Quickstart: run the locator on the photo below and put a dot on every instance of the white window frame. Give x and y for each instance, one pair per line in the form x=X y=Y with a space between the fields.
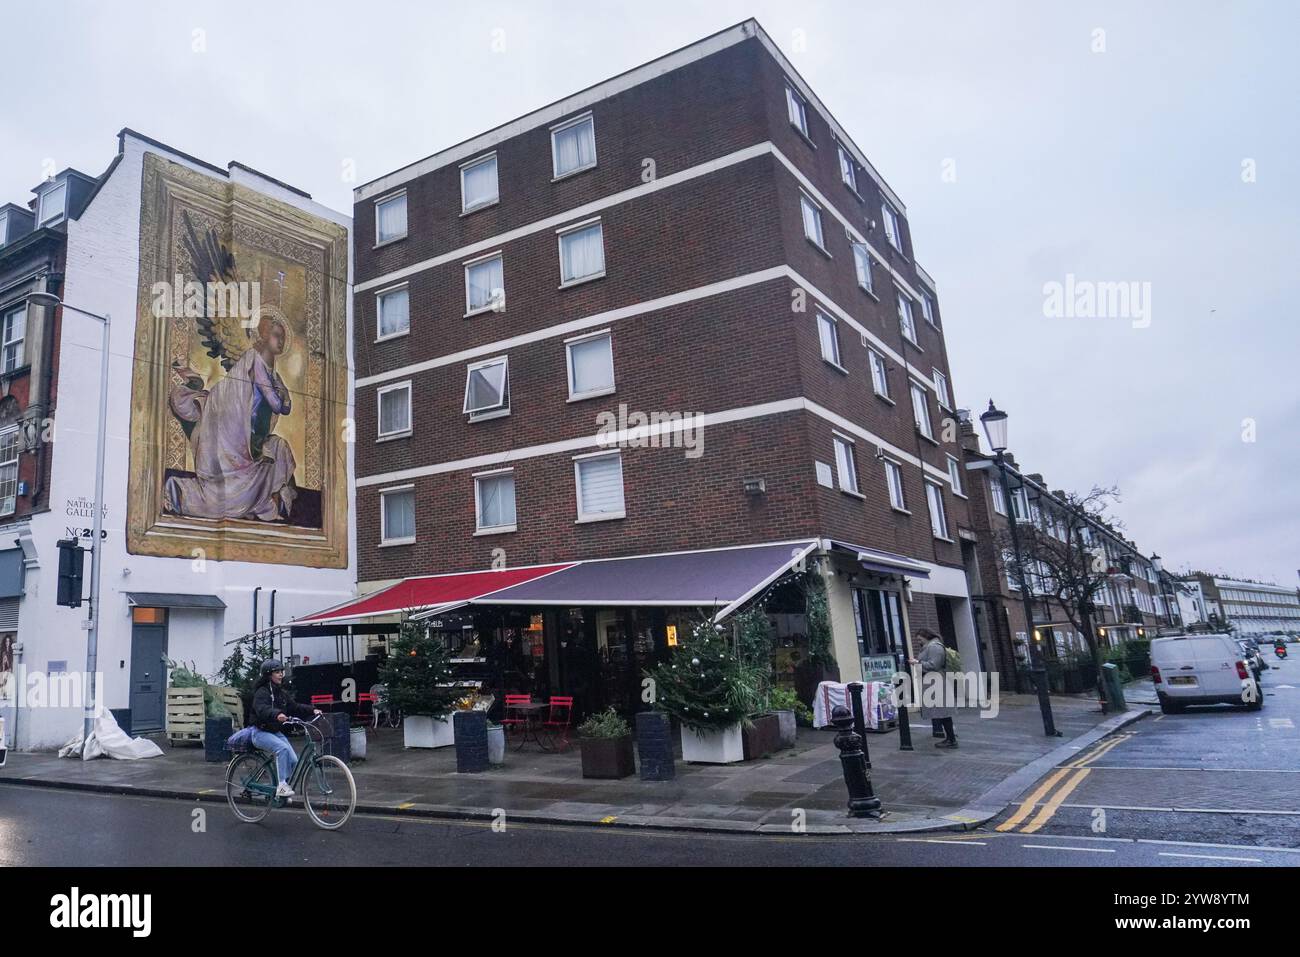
x=906 y=318
x=846 y=444
x=383 y=515
x=893 y=232
x=999 y=495
x=568 y=365
x=927 y=309
x=921 y=413
x=796 y=104
x=9 y=499
x=577 y=487
x=587 y=117
x=559 y=240
x=502 y=408
x=466 y=208
x=848 y=169
x=820 y=240
x=20 y=342
x=492 y=304
x=395 y=195
x=941 y=392
x=42 y=219
x=879 y=374
x=894 y=484
x=479 y=527
x=862 y=267
x=380 y=434
x=939 y=519
x=4 y=227
x=380 y=335
x=954 y=476
x=824 y=318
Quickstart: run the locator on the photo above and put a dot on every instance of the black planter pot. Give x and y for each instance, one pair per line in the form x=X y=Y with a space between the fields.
x=216 y=731
x=470 y=728
x=338 y=735
x=607 y=757
x=654 y=746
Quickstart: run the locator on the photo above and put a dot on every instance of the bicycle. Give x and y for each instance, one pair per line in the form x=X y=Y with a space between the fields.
x=324 y=781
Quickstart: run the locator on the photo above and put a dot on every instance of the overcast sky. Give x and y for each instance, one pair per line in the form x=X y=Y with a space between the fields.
x=1151 y=143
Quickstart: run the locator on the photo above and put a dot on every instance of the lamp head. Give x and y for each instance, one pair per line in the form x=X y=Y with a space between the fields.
x=994 y=422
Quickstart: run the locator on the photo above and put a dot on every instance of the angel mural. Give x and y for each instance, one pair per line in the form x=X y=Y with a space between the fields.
x=242 y=469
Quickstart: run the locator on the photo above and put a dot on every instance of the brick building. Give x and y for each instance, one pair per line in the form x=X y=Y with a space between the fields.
x=676 y=311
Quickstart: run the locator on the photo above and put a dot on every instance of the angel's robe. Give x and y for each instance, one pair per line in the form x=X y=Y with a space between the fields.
x=240 y=466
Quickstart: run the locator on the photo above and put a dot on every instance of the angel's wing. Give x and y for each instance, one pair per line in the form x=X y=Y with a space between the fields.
x=224 y=336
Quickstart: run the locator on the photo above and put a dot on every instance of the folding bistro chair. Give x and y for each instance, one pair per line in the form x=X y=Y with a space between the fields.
x=367 y=702
x=559 y=716
x=516 y=723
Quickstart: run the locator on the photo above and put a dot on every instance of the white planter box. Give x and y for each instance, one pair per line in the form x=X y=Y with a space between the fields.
x=422 y=731
x=713 y=747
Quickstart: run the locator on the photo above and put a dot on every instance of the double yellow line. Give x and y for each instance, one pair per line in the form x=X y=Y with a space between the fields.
x=1081 y=770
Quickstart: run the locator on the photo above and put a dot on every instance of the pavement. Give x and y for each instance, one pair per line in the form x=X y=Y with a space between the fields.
x=799 y=790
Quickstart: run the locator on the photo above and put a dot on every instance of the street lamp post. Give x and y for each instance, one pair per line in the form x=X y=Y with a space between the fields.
x=994 y=422
x=1158 y=565
x=97 y=531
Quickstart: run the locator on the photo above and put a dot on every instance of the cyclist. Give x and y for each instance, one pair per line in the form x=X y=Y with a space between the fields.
x=272 y=706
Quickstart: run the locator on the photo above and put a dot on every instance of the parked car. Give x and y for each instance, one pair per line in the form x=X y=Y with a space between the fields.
x=1202 y=669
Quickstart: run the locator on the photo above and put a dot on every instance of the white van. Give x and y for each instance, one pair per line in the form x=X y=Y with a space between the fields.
x=1202 y=669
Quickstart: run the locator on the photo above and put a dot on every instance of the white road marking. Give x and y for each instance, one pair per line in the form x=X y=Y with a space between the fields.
x=1065 y=847
x=1223 y=847
x=1188 y=810
x=1124 y=767
x=1281 y=723
x=933 y=840
x=1214 y=857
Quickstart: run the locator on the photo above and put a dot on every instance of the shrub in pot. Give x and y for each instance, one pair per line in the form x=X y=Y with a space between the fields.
x=606 y=743
x=419 y=681
x=790 y=713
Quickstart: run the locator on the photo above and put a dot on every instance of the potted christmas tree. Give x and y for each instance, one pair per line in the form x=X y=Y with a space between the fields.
x=419 y=681
x=709 y=691
x=606 y=743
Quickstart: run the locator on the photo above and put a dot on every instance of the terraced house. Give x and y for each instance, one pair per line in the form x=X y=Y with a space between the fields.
x=648 y=349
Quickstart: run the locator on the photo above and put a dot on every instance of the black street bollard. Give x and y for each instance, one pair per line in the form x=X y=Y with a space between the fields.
x=855 y=689
x=904 y=725
x=862 y=800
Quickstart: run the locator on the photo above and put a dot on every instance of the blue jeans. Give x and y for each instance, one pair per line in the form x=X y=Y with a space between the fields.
x=275 y=742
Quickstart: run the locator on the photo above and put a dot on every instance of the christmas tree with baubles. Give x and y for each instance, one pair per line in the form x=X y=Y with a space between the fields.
x=703 y=684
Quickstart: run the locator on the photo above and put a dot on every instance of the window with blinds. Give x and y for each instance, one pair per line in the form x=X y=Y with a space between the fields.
x=390 y=218
x=582 y=253
x=600 y=486
x=393 y=312
x=573 y=146
x=478 y=183
x=398 y=515
x=395 y=410
x=591 y=365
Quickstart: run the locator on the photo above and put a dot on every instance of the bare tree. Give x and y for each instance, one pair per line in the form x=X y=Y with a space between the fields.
x=1063 y=561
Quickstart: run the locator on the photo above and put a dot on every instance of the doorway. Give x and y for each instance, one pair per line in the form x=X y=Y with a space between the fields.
x=148 y=669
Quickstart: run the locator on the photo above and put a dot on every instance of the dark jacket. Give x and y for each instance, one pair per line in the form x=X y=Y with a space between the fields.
x=269 y=700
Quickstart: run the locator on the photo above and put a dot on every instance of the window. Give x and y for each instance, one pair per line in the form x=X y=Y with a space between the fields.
x=894 y=478
x=600 y=486
x=15 y=331
x=487 y=387
x=941 y=389
x=797 y=110
x=53 y=204
x=394 y=410
x=891 y=226
x=844 y=465
x=1018 y=505
x=1013 y=574
x=999 y=496
x=591 y=365
x=954 y=475
x=905 y=320
x=8 y=470
x=812 y=221
x=397 y=515
x=938 y=520
x=862 y=262
x=573 y=145
x=478 y=183
x=921 y=410
x=390 y=218
x=4 y=228
x=848 y=172
x=927 y=309
x=879 y=373
x=485 y=284
x=582 y=253
x=393 y=312
x=828 y=333
x=494 y=501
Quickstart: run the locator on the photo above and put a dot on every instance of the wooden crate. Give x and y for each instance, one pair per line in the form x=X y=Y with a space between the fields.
x=186 y=717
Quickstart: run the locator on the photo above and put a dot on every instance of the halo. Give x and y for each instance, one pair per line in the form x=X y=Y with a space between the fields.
x=269 y=312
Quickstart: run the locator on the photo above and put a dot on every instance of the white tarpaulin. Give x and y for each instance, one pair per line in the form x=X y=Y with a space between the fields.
x=107 y=739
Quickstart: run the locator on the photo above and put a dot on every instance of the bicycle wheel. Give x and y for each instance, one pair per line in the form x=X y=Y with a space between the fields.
x=329 y=792
x=245 y=770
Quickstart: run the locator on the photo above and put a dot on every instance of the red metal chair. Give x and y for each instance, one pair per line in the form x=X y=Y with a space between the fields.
x=323 y=701
x=559 y=716
x=519 y=722
x=365 y=713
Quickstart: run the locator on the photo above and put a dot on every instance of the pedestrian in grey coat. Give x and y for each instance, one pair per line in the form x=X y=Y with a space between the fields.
x=933 y=660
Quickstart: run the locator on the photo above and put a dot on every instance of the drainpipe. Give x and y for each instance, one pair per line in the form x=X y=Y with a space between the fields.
x=271 y=623
x=255 y=591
